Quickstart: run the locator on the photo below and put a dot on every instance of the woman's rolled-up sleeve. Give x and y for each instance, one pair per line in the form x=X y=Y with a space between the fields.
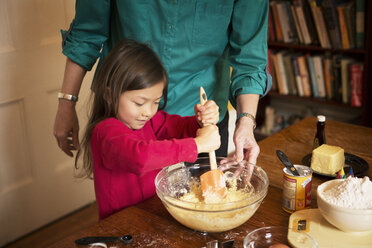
x=88 y=31
x=248 y=49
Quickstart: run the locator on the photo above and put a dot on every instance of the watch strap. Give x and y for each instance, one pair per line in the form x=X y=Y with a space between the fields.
x=68 y=97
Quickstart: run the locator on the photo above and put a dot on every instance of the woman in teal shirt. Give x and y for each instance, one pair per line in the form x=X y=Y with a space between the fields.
x=196 y=40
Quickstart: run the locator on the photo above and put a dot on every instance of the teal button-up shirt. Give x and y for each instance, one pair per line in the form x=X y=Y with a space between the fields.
x=196 y=40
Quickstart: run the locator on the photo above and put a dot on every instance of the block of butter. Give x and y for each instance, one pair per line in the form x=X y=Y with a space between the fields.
x=327 y=159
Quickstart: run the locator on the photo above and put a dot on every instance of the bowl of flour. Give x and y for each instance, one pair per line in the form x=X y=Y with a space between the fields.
x=347 y=203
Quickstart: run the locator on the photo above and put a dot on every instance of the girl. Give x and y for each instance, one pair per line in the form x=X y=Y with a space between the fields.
x=127 y=140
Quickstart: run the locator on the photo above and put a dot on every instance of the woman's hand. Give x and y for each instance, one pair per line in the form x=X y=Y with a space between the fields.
x=207 y=114
x=246 y=146
x=66 y=127
x=66 y=124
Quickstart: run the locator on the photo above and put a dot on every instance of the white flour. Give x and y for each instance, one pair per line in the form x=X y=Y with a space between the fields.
x=353 y=192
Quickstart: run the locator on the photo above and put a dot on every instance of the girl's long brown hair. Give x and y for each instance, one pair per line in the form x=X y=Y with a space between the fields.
x=129 y=66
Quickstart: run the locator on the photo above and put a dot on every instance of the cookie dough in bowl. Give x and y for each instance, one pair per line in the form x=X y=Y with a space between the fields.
x=178 y=187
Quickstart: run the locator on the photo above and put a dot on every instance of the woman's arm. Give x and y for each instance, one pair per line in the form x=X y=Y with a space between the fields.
x=249 y=78
x=246 y=146
x=66 y=125
x=82 y=44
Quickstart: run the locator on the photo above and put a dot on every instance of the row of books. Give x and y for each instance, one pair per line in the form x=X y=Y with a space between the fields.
x=333 y=77
x=338 y=24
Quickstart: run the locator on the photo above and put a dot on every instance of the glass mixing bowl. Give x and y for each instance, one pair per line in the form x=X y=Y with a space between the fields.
x=178 y=187
x=278 y=237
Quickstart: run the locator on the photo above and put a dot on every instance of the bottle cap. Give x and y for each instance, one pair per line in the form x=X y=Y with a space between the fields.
x=321 y=118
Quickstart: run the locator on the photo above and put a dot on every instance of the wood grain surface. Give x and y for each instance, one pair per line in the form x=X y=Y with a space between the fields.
x=152 y=226
x=296 y=142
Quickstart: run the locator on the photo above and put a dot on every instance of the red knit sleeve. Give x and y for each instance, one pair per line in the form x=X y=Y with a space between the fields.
x=123 y=149
x=167 y=126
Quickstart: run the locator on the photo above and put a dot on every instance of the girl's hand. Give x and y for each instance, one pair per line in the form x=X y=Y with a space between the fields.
x=207 y=139
x=207 y=114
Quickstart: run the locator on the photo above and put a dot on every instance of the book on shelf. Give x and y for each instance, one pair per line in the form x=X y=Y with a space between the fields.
x=292 y=23
x=359 y=23
x=281 y=74
x=300 y=16
x=310 y=22
x=277 y=77
x=291 y=78
x=356 y=83
x=349 y=13
x=336 y=62
x=319 y=24
x=332 y=24
x=278 y=30
x=284 y=22
x=323 y=26
x=343 y=27
x=345 y=82
x=311 y=68
x=328 y=77
x=301 y=60
x=270 y=25
x=270 y=67
x=296 y=69
x=296 y=23
x=319 y=74
x=338 y=24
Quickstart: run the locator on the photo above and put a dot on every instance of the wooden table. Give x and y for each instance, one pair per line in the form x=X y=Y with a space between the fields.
x=296 y=141
x=152 y=226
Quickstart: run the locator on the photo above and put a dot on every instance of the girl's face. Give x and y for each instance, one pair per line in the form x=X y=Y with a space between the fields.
x=136 y=107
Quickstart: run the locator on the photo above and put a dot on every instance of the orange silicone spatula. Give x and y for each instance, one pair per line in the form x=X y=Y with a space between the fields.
x=212 y=182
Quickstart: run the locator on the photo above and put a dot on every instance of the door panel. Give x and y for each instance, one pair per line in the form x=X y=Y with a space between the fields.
x=36 y=178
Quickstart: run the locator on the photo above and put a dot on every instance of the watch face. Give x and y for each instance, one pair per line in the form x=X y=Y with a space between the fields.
x=67 y=97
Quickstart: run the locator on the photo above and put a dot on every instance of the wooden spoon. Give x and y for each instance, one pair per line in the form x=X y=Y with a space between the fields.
x=212 y=182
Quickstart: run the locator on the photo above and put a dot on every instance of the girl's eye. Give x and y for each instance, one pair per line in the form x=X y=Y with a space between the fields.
x=157 y=103
x=139 y=104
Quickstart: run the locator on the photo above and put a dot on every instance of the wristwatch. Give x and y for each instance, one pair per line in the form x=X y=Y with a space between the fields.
x=67 y=97
x=249 y=116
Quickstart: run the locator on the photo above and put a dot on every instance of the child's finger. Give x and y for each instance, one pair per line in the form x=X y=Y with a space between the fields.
x=209 y=111
x=208 y=115
x=210 y=120
x=200 y=107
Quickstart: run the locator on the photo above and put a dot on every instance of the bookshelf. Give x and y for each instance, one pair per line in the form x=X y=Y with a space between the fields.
x=313 y=48
x=294 y=45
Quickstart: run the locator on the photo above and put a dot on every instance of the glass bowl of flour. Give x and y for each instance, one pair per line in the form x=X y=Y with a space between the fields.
x=347 y=203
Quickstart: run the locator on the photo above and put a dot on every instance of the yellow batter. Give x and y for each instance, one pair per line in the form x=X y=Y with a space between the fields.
x=215 y=215
x=233 y=194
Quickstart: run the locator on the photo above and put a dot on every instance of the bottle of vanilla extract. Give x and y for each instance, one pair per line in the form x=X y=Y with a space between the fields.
x=320 y=138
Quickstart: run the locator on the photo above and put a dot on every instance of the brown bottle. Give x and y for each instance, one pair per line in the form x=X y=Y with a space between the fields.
x=320 y=138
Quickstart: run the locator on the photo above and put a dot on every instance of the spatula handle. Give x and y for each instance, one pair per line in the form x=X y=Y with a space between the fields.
x=212 y=155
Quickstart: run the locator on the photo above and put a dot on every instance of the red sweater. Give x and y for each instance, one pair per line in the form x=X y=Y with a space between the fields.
x=126 y=161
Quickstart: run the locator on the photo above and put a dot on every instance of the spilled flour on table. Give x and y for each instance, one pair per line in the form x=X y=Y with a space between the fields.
x=154 y=240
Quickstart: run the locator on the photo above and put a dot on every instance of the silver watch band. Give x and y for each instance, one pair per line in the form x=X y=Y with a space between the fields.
x=67 y=97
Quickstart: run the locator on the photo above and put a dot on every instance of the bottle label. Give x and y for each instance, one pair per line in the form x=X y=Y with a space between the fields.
x=316 y=143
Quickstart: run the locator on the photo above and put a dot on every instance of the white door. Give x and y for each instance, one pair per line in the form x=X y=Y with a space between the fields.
x=36 y=178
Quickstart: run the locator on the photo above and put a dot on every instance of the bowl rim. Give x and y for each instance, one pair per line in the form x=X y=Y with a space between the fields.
x=280 y=228
x=260 y=196
x=319 y=194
